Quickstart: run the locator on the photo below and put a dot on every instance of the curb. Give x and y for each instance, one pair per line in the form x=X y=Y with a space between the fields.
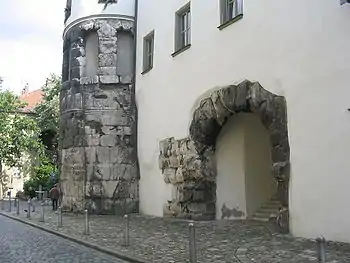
x=119 y=255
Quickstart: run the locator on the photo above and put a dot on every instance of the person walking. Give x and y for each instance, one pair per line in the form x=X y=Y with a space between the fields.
x=54 y=195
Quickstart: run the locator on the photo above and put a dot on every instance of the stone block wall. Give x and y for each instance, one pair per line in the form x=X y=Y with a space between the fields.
x=189 y=164
x=99 y=169
x=193 y=177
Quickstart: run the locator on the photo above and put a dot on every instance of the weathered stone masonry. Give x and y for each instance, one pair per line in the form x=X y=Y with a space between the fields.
x=99 y=168
x=188 y=164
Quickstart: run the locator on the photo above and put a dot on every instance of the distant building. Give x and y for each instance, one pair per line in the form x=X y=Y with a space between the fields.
x=242 y=107
x=32 y=98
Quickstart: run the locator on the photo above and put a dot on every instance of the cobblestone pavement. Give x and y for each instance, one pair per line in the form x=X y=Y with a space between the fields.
x=20 y=243
x=166 y=241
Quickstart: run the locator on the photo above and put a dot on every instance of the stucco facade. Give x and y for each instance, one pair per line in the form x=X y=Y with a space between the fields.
x=286 y=62
x=296 y=49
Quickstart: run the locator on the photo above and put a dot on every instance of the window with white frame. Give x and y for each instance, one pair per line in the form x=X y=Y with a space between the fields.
x=183 y=28
x=230 y=10
x=148 y=51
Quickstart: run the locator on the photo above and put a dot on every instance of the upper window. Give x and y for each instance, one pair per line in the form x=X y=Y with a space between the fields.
x=148 y=51
x=183 y=28
x=231 y=10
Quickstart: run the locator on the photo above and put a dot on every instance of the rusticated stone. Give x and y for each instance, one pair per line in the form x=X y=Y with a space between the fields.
x=97 y=126
x=195 y=178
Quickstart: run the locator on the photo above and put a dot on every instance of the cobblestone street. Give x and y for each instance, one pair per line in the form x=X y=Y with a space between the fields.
x=20 y=243
x=166 y=240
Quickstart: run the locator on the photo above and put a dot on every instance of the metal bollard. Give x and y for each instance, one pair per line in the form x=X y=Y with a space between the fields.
x=15 y=202
x=2 y=204
x=87 y=227
x=28 y=209
x=126 y=230
x=59 y=216
x=17 y=212
x=192 y=242
x=42 y=213
x=321 y=249
x=10 y=203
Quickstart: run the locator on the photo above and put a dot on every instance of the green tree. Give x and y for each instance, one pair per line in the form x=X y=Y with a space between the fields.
x=42 y=175
x=18 y=134
x=47 y=116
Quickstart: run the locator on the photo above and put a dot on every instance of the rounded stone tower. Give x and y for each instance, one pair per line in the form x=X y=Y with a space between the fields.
x=98 y=158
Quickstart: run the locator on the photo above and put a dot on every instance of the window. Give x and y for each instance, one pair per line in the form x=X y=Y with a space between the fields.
x=182 y=29
x=231 y=10
x=148 y=51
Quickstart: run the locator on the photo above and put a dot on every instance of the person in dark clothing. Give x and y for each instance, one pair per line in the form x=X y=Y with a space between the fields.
x=54 y=195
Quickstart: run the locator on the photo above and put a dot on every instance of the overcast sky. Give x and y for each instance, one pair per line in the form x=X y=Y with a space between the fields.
x=30 y=41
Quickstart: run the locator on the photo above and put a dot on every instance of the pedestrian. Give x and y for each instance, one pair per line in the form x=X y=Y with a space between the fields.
x=54 y=195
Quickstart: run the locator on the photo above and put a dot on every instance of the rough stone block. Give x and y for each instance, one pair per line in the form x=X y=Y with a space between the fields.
x=197 y=207
x=125 y=79
x=107 y=60
x=107 y=71
x=108 y=45
x=118 y=118
x=108 y=140
x=109 y=79
x=120 y=154
x=90 y=154
x=102 y=154
x=94 y=189
x=124 y=171
x=73 y=156
x=89 y=80
x=170 y=175
x=174 y=161
x=102 y=172
x=92 y=140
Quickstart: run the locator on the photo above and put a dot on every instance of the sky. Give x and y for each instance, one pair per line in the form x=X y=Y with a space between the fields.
x=30 y=41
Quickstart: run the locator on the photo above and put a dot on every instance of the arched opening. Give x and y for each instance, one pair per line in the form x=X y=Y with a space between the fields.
x=190 y=164
x=244 y=182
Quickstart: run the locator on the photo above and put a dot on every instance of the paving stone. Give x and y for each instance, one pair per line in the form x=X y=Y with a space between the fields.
x=20 y=243
x=162 y=240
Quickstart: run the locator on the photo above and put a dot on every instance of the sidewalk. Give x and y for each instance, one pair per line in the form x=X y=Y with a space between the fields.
x=166 y=241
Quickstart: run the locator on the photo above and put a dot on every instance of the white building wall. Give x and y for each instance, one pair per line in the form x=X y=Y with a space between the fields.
x=230 y=161
x=298 y=49
x=259 y=183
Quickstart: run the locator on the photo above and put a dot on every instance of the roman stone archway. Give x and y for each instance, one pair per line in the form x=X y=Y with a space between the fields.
x=188 y=163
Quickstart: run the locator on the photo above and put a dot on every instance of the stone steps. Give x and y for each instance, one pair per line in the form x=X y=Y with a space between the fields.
x=268 y=210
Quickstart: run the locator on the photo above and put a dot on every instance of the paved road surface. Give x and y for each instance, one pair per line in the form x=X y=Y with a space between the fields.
x=20 y=243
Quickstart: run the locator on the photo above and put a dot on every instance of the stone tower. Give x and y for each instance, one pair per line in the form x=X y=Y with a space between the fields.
x=98 y=157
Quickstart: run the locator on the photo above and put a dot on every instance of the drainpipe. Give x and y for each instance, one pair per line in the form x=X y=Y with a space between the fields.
x=134 y=82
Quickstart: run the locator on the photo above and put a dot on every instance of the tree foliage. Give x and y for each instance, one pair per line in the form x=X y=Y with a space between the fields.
x=18 y=133
x=45 y=175
x=47 y=115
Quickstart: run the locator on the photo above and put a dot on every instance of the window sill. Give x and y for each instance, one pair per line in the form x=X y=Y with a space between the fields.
x=146 y=71
x=229 y=22
x=181 y=50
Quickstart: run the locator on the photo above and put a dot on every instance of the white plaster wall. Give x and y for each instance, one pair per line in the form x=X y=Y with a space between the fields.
x=230 y=151
x=299 y=49
x=259 y=183
x=84 y=8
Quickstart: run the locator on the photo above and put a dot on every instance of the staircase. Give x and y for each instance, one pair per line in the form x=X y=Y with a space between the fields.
x=268 y=210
